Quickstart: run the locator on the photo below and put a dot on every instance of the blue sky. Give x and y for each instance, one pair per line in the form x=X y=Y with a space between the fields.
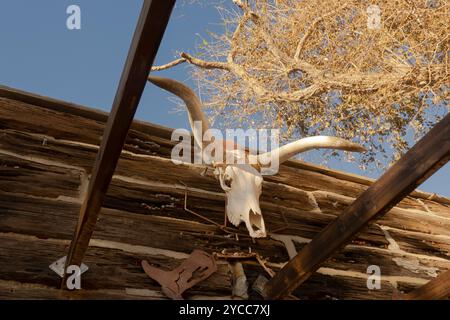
x=39 y=54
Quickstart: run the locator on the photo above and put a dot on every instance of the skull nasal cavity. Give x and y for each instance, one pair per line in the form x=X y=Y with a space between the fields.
x=227 y=182
x=255 y=219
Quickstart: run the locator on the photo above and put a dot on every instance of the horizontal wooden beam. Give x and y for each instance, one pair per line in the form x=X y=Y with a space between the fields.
x=436 y=289
x=420 y=162
x=144 y=47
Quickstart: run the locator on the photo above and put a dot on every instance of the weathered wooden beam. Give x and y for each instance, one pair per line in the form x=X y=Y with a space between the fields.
x=33 y=102
x=438 y=288
x=420 y=162
x=147 y=38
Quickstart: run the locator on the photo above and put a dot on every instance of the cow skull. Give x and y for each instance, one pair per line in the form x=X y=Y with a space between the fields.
x=242 y=182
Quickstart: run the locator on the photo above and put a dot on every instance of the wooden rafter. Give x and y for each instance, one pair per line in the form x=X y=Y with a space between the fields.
x=419 y=163
x=147 y=38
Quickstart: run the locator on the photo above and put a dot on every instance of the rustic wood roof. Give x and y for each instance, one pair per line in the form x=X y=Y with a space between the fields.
x=47 y=149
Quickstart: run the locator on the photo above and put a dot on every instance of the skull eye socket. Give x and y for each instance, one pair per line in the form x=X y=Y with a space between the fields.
x=227 y=180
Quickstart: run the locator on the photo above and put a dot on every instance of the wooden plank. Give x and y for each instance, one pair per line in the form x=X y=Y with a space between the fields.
x=74 y=114
x=436 y=289
x=27 y=177
x=13 y=290
x=420 y=162
x=147 y=38
x=25 y=259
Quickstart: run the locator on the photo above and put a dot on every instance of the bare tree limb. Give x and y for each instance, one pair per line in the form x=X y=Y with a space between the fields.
x=192 y=60
x=205 y=64
x=169 y=65
x=311 y=28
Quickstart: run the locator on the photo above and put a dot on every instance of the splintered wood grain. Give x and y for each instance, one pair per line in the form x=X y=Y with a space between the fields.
x=419 y=243
x=418 y=221
x=326 y=287
x=357 y=258
x=52 y=219
x=46 y=218
x=434 y=207
x=28 y=177
x=155 y=200
x=26 y=118
x=32 y=291
x=109 y=269
x=23 y=117
x=341 y=288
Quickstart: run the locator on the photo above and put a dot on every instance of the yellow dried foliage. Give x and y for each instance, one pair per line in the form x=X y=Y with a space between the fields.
x=375 y=72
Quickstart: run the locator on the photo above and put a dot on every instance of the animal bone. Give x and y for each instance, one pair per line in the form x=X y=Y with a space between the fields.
x=242 y=182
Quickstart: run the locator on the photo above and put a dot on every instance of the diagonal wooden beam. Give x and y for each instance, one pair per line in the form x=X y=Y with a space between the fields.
x=420 y=162
x=145 y=44
x=436 y=289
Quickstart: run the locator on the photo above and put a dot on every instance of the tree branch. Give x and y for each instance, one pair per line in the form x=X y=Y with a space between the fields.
x=319 y=79
x=205 y=64
x=262 y=30
x=169 y=65
x=309 y=30
x=195 y=61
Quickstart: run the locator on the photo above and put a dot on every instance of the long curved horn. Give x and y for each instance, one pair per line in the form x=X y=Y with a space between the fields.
x=191 y=100
x=291 y=149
